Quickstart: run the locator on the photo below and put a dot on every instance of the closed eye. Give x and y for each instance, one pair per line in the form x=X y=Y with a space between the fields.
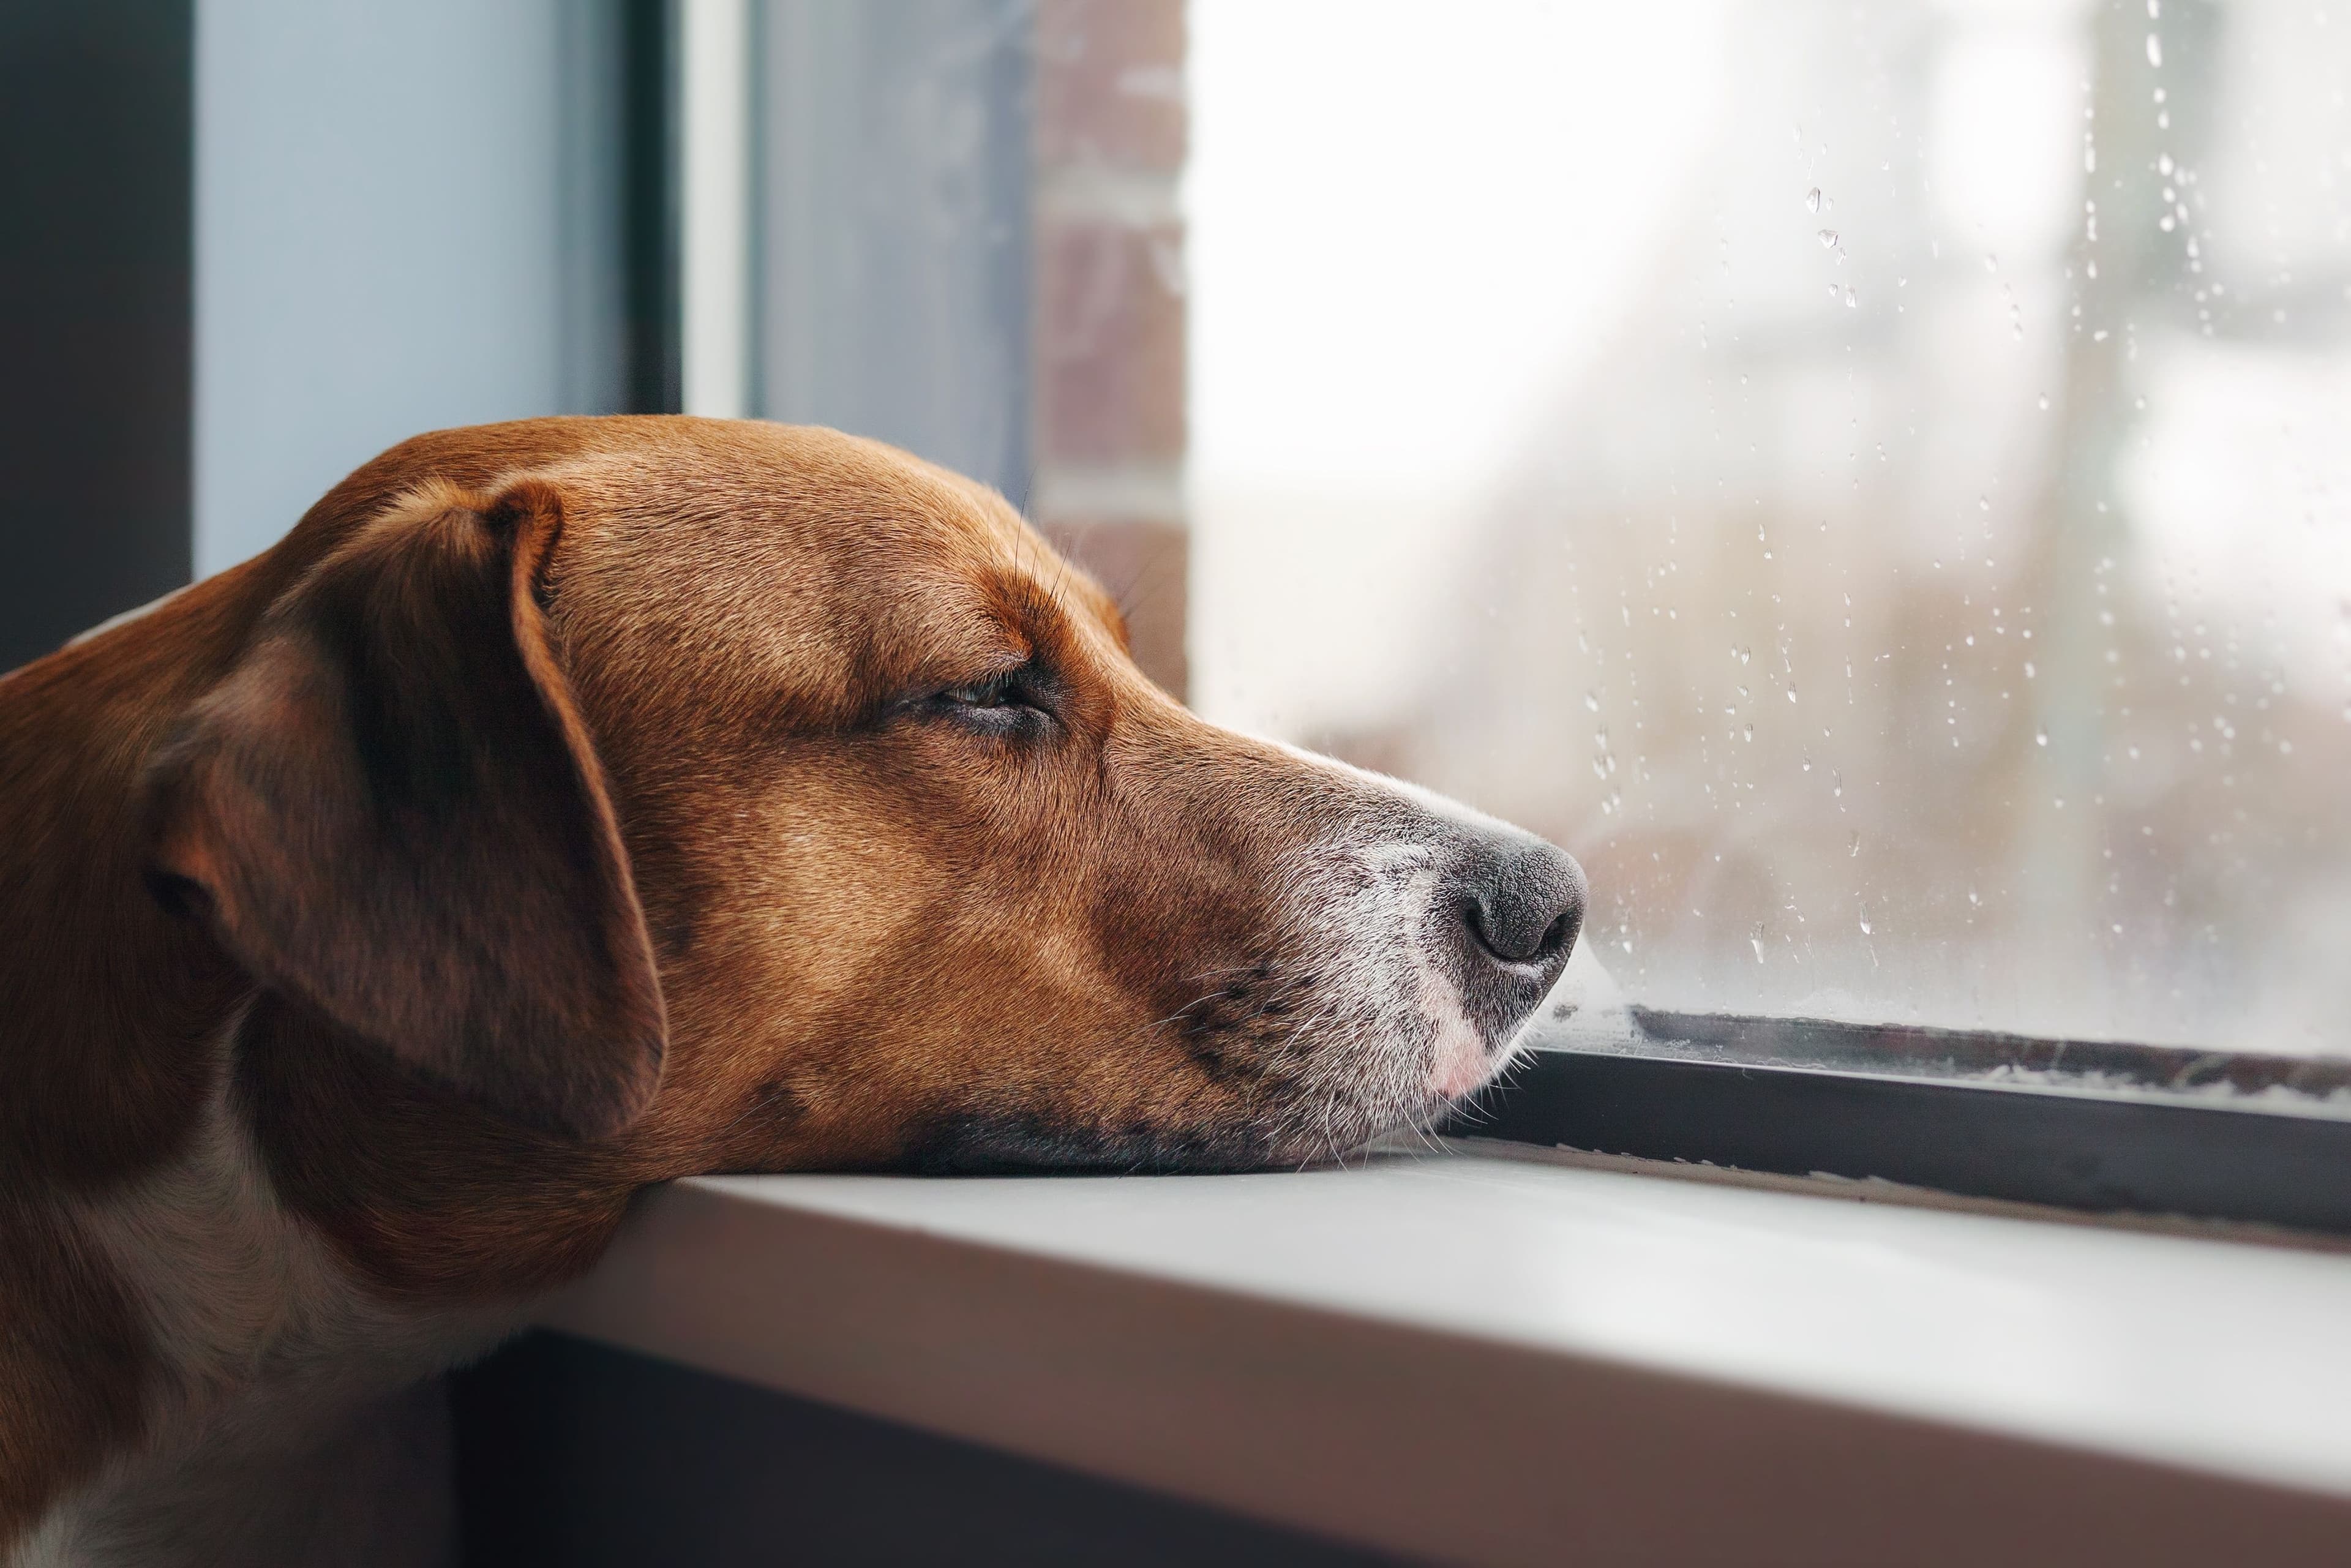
x=1012 y=702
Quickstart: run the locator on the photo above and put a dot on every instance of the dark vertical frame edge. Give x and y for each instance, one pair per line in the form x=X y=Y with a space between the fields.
x=652 y=95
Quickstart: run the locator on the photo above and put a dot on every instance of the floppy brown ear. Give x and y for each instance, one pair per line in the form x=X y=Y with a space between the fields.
x=390 y=810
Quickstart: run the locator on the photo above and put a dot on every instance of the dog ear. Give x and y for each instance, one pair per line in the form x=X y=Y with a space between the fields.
x=390 y=810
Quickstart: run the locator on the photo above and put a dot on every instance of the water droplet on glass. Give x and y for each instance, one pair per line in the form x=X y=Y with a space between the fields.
x=1975 y=898
x=2043 y=401
x=1827 y=238
x=1745 y=654
x=1591 y=701
x=2027 y=669
x=2040 y=738
x=1850 y=302
x=1852 y=850
x=1983 y=503
x=1813 y=200
x=1791 y=693
x=1750 y=732
x=1865 y=920
x=2154 y=50
x=1755 y=940
x=1991 y=262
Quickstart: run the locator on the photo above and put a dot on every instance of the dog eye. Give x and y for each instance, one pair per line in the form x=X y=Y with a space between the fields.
x=996 y=693
x=1001 y=704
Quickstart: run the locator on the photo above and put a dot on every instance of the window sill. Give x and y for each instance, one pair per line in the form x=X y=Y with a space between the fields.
x=1519 y=1360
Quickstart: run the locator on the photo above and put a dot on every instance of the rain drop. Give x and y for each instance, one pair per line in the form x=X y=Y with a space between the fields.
x=2154 y=50
x=1850 y=302
x=2040 y=738
x=1591 y=701
x=2044 y=402
x=1828 y=239
x=1852 y=850
x=1865 y=920
x=1813 y=200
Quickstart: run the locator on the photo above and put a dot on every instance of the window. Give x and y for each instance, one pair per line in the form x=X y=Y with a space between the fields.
x=1874 y=481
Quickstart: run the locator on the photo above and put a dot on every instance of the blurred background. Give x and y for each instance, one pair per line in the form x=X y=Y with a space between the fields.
x=1873 y=481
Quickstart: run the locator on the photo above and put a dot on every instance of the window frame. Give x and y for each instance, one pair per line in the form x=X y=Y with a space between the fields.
x=2097 y=1127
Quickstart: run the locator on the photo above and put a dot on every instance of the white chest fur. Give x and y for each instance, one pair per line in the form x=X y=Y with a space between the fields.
x=286 y=1426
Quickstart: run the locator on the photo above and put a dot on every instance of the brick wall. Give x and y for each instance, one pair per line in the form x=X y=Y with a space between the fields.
x=1108 y=427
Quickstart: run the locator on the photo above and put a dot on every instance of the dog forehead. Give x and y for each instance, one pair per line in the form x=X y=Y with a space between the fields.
x=792 y=556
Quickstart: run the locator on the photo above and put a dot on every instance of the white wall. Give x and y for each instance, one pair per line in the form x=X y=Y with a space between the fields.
x=407 y=216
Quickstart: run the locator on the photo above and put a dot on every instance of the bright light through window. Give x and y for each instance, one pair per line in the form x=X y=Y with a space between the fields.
x=1874 y=482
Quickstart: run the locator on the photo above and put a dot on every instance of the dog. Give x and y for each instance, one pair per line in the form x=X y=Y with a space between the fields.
x=571 y=805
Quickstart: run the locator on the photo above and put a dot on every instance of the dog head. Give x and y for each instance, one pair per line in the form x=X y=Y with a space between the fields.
x=773 y=798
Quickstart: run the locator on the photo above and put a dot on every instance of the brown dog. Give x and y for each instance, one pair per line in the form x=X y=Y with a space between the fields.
x=571 y=805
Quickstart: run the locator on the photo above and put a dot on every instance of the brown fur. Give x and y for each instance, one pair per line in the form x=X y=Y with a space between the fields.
x=568 y=805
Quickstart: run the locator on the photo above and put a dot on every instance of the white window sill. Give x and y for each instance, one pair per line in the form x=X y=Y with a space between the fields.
x=1498 y=1360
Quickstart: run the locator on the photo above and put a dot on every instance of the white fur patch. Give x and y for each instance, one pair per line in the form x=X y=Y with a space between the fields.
x=275 y=1429
x=1385 y=1027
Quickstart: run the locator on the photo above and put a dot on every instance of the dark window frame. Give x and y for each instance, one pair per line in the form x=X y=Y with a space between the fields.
x=2099 y=1127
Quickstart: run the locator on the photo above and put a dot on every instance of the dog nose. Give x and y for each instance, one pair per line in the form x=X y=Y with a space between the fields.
x=1523 y=902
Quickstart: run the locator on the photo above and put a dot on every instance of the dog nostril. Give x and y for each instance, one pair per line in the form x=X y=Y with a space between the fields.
x=1560 y=935
x=1526 y=908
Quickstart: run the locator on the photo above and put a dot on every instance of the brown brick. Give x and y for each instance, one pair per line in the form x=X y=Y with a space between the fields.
x=1110 y=343
x=1143 y=565
x=1110 y=80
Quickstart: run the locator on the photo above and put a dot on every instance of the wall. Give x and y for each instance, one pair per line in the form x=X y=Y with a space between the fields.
x=407 y=216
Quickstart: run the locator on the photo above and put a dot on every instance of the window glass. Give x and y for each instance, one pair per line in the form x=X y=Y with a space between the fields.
x=1874 y=481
